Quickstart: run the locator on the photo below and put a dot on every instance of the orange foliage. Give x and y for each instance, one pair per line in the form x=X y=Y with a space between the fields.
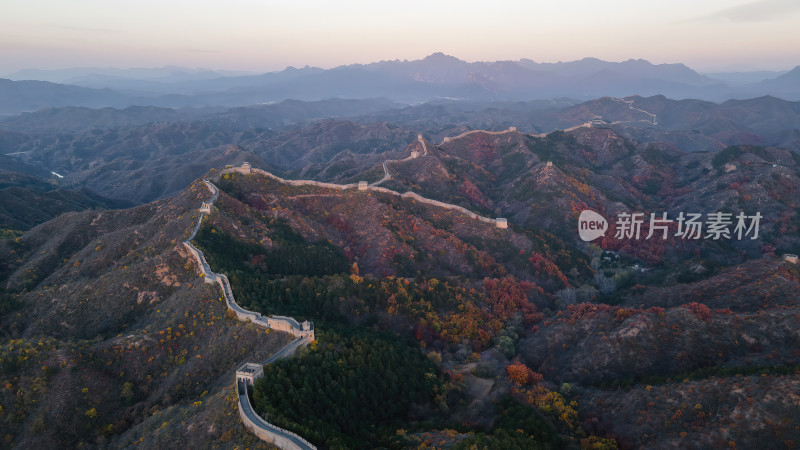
x=522 y=375
x=582 y=310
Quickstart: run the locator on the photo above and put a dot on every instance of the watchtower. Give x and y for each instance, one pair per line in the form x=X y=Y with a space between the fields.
x=501 y=223
x=205 y=207
x=512 y=128
x=245 y=167
x=249 y=373
x=307 y=329
x=447 y=139
x=362 y=185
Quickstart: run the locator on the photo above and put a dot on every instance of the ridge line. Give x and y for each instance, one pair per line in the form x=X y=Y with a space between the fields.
x=247 y=373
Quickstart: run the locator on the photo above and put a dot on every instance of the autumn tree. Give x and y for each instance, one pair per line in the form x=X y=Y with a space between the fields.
x=700 y=310
x=507 y=296
x=522 y=375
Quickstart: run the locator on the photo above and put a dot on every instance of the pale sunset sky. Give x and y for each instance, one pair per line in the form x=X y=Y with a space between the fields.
x=259 y=35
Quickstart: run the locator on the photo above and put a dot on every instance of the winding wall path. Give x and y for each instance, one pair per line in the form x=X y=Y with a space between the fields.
x=387 y=175
x=282 y=438
x=304 y=334
x=630 y=106
x=466 y=133
x=499 y=222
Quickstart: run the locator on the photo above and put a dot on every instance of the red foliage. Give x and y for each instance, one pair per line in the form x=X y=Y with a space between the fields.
x=474 y=194
x=482 y=147
x=582 y=310
x=649 y=250
x=256 y=201
x=589 y=310
x=424 y=332
x=337 y=222
x=787 y=223
x=506 y=296
x=542 y=264
x=700 y=310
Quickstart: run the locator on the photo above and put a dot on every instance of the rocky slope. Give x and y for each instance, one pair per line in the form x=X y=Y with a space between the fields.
x=27 y=200
x=546 y=181
x=112 y=339
x=110 y=335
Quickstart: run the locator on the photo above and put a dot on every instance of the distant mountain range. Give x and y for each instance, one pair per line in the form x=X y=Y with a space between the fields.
x=86 y=76
x=139 y=154
x=434 y=77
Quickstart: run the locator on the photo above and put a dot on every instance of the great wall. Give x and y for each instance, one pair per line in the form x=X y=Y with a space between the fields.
x=249 y=372
x=414 y=155
x=466 y=133
x=363 y=186
x=597 y=120
x=630 y=106
x=303 y=332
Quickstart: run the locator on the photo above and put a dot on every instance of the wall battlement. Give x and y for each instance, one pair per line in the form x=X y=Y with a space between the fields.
x=277 y=323
x=466 y=133
x=249 y=372
x=303 y=332
x=499 y=223
x=266 y=431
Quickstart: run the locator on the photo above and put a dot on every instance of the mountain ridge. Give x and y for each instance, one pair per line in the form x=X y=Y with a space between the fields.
x=437 y=75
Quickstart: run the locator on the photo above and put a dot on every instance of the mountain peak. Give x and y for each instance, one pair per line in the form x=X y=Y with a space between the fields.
x=440 y=57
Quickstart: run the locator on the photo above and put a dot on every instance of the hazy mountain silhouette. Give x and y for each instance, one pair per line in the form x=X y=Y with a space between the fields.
x=434 y=77
x=786 y=85
x=19 y=96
